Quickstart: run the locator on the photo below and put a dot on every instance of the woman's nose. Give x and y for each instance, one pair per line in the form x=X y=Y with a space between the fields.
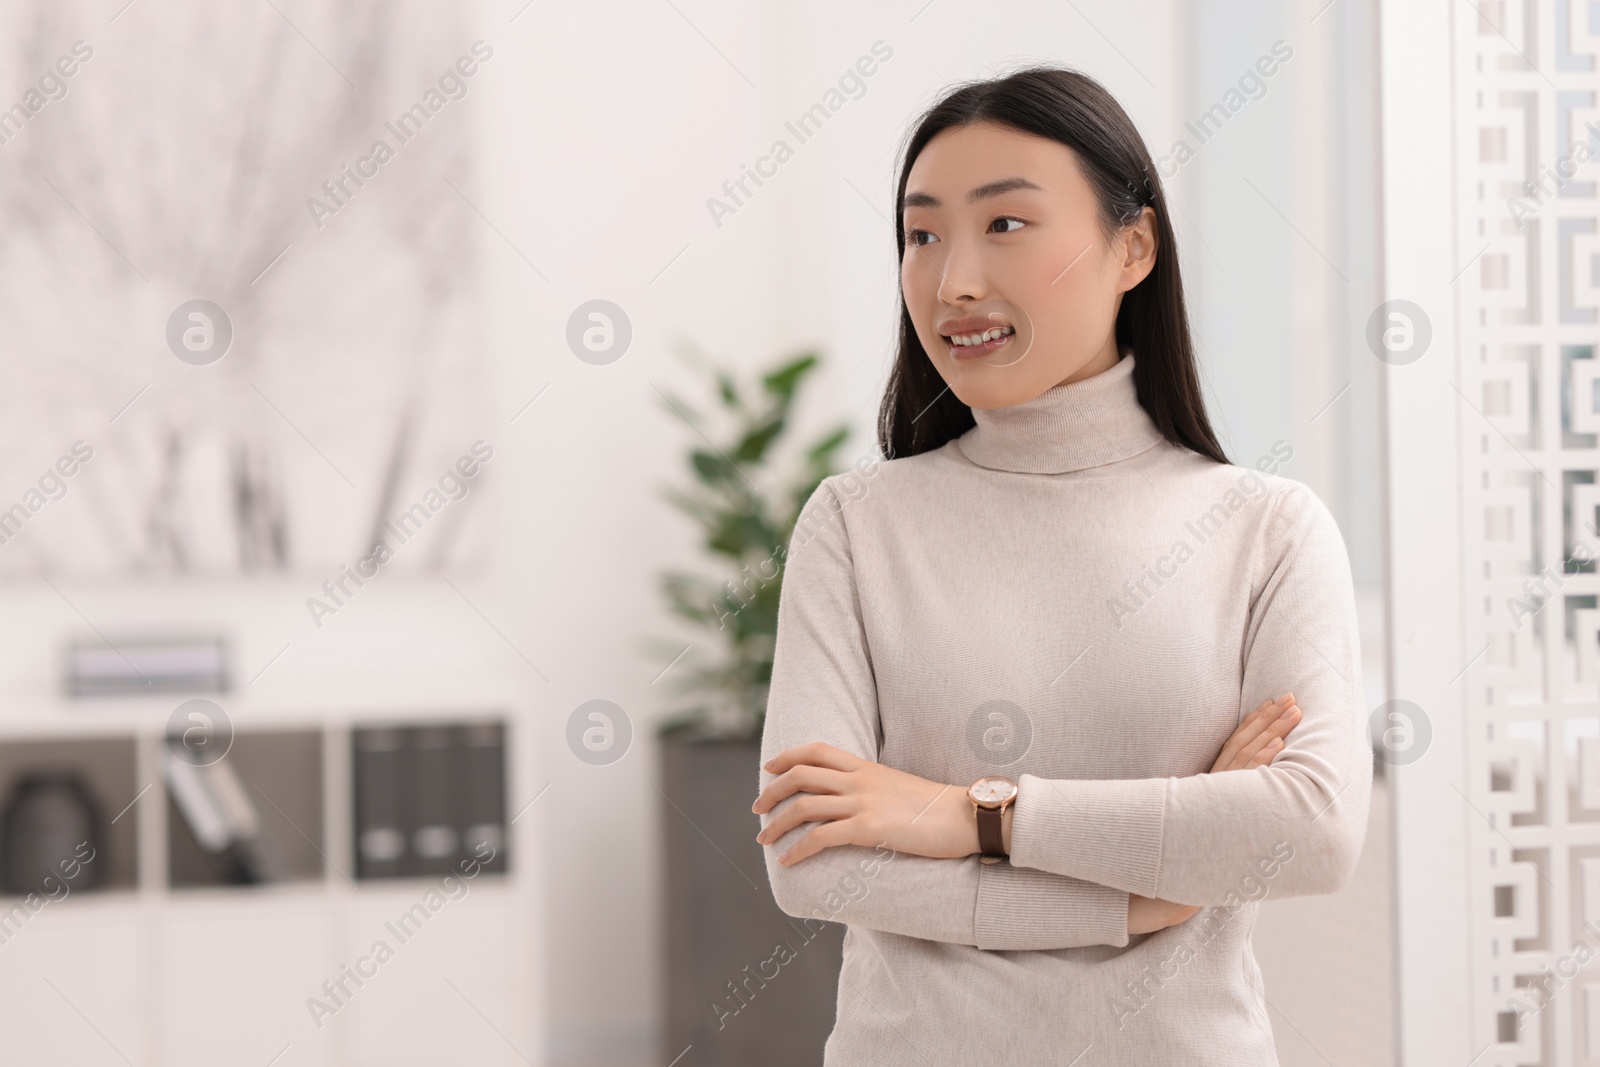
x=961 y=277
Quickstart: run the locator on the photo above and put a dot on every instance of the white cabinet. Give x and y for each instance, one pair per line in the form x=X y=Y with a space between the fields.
x=74 y=985
x=233 y=978
x=147 y=973
x=451 y=992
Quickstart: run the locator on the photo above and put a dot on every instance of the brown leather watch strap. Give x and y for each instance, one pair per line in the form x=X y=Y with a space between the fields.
x=990 y=840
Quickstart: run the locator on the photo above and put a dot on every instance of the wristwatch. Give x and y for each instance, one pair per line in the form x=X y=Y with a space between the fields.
x=991 y=795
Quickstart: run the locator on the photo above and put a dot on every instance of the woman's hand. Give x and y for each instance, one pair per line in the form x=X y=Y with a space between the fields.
x=1256 y=742
x=1146 y=915
x=858 y=802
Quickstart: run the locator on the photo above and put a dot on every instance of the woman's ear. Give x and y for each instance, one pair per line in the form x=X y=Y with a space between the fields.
x=1139 y=243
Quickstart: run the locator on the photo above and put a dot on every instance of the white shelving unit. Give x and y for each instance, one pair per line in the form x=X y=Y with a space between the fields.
x=146 y=974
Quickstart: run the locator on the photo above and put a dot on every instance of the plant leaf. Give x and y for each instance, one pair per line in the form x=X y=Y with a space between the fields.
x=753 y=448
x=712 y=468
x=786 y=379
x=728 y=390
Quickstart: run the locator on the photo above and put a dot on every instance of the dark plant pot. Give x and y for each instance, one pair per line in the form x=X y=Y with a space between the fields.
x=730 y=991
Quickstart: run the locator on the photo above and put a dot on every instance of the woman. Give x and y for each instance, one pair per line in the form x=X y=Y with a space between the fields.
x=1035 y=631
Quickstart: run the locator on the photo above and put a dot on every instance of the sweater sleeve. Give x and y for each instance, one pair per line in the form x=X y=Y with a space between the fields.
x=823 y=689
x=1298 y=824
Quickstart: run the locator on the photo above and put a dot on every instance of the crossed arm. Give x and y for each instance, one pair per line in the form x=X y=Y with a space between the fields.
x=854 y=801
x=1092 y=861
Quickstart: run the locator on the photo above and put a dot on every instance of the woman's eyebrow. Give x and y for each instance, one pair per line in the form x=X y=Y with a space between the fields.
x=995 y=188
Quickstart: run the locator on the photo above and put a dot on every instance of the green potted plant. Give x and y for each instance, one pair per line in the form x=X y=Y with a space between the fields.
x=746 y=491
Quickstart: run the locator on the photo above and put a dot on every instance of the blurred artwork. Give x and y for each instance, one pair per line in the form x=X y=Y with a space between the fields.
x=237 y=285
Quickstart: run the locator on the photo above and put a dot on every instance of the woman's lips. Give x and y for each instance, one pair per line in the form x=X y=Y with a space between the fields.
x=978 y=351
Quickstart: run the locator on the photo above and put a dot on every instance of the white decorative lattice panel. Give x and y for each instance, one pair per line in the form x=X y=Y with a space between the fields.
x=1527 y=83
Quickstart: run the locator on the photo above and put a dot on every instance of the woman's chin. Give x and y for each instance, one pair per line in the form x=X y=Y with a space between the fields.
x=987 y=387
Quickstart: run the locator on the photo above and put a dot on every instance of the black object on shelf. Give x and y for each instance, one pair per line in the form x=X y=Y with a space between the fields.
x=435 y=823
x=219 y=813
x=484 y=816
x=145 y=666
x=429 y=799
x=380 y=838
x=51 y=826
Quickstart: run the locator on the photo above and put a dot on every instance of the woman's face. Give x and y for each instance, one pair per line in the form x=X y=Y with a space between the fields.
x=1002 y=235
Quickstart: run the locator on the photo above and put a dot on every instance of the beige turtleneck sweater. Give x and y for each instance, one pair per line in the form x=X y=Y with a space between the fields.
x=1064 y=597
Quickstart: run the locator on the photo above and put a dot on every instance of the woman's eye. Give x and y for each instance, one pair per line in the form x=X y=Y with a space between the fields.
x=1003 y=224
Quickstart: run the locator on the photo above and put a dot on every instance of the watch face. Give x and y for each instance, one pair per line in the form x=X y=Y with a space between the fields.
x=992 y=792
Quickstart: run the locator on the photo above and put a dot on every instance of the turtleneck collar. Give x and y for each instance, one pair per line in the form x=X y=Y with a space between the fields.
x=1082 y=424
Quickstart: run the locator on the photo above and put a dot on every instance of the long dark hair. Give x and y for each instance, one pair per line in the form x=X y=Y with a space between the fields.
x=919 y=413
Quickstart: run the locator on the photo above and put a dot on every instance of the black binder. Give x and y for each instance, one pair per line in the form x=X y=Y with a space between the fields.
x=483 y=830
x=381 y=840
x=435 y=825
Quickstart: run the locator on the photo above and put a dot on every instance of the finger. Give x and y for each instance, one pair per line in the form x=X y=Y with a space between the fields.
x=1139 y=914
x=1246 y=732
x=817 y=753
x=1275 y=736
x=802 y=777
x=1267 y=753
x=819 y=837
x=1287 y=720
x=806 y=809
x=1279 y=728
x=1255 y=722
x=1254 y=748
